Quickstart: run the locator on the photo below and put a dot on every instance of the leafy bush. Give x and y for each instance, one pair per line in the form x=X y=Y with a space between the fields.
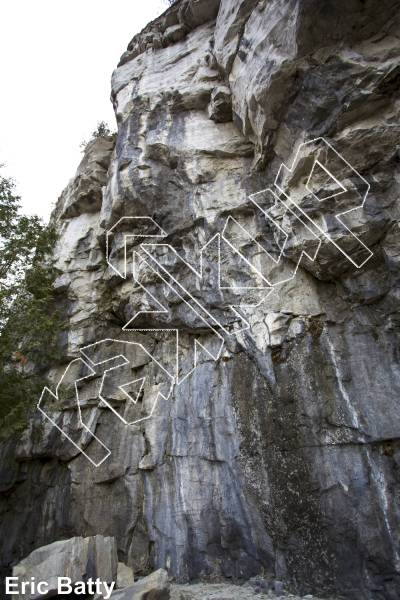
x=29 y=321
x=102 y=131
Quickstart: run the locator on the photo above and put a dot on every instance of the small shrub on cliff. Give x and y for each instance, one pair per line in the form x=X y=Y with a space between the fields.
x=29 y=323
x=102 y=131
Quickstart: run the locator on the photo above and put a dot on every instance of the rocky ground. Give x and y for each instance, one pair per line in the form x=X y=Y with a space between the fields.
x=225 y=591
x=98 y=556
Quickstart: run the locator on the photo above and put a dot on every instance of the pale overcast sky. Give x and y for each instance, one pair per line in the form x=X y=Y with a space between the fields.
x=56 y=60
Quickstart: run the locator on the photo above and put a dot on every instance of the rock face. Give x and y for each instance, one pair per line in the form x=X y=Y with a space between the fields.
x=281 y=456
x=83 y=195
x=77 y=558
x=125 y=576
x=153 y=587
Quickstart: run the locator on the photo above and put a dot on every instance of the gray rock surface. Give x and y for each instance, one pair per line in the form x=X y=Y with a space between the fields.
x=78 y=558
x=223 y=591
x=83 y=194
x=220 y=107
x=125 y=576
x=153 y=587
x=281 y=457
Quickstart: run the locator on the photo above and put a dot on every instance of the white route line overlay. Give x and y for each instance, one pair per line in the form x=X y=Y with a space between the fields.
x=200 y=310
x=343 y=190
x=89 y=365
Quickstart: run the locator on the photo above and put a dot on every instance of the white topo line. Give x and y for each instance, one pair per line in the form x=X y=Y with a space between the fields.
x=146 y=227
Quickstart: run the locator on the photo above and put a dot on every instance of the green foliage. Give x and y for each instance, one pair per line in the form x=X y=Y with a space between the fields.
x=29 y=321
x=102 y=131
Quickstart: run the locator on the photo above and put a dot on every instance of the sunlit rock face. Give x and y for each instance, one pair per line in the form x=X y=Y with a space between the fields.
x=281 y=456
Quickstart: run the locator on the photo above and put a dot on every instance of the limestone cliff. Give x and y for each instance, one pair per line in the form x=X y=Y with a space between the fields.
x=281 y=456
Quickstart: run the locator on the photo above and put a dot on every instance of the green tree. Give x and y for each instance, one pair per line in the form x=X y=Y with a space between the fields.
x=102 y=131
x=29 y=321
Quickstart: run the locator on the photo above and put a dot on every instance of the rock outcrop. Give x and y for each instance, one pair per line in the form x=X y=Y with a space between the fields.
x=281 y=456
x=153 y=587
x=77 y=558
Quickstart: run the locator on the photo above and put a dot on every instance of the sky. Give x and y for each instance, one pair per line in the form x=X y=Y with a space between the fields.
x=56 y=60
